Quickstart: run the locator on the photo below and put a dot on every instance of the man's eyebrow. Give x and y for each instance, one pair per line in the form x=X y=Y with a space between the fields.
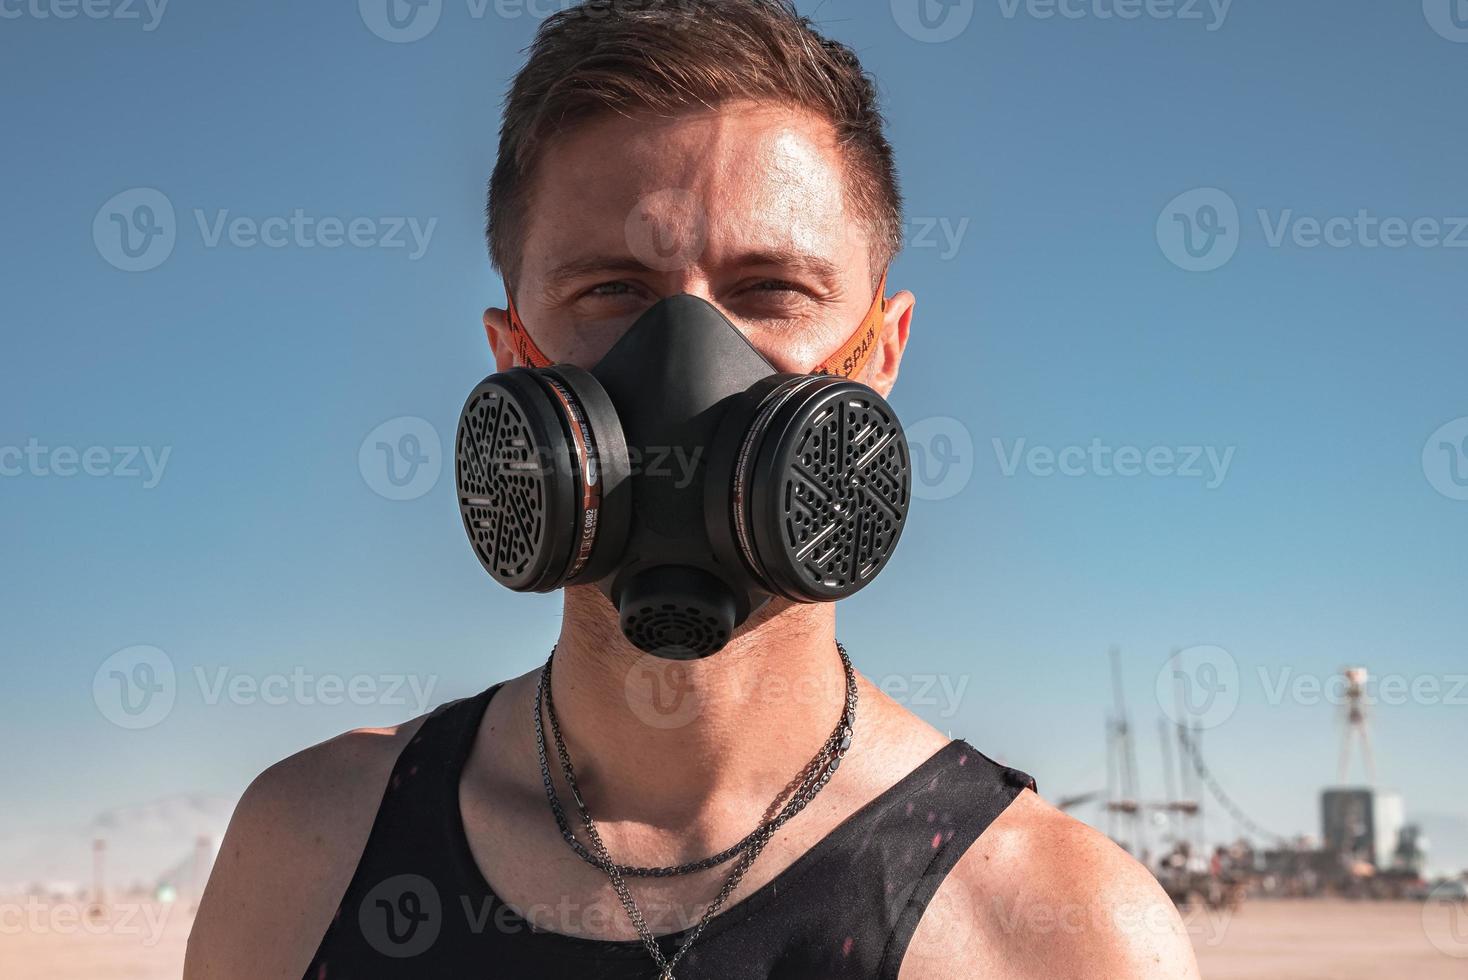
x=809 y=263
x=593 y=265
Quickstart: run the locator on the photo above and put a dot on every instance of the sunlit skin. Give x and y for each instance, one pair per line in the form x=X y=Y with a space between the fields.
x=746 y=207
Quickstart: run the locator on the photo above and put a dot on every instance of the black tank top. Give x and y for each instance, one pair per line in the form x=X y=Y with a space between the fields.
x=418 y=906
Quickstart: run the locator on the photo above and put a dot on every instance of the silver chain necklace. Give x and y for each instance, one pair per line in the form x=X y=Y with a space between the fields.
x=800 y=791
x=810 y=781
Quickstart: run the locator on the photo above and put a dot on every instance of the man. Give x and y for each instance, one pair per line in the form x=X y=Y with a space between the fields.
x=724 y=150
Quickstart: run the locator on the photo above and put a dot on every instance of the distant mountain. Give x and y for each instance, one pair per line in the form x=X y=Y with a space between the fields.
x=146 y=844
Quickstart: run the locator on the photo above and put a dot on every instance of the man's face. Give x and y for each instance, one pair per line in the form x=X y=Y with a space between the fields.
x=744 y=206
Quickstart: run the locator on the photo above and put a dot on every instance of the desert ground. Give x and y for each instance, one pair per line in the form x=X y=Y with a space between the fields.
x=1309 y=940
x=1332 y=940
x=42 y=940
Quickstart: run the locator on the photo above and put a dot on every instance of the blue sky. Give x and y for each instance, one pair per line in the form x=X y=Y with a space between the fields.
x=1062 y=173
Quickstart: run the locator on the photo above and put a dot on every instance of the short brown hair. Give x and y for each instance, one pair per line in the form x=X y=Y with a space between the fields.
x=668 y=55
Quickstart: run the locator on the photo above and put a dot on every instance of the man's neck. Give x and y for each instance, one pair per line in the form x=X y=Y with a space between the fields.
x=667 y=743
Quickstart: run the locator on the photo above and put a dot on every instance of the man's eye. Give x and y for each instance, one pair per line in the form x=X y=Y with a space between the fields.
x=773 y=299
x=778 y=286
x=611 y=289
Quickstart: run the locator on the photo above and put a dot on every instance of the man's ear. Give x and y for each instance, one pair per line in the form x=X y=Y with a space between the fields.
x=497 y=329
x=881 y=370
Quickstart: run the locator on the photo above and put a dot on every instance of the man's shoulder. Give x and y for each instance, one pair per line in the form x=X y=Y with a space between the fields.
x=1041 y=894
x=311 y=800
x=289 y=854
x=328 y=772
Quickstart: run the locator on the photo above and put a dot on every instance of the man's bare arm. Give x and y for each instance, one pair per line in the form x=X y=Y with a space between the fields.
x=1041 y=895
x=288 y=856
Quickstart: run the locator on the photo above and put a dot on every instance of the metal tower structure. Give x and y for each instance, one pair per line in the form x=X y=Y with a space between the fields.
x=1121 y=770
x=199 y=869
x=1355 y=717
x=99 y=878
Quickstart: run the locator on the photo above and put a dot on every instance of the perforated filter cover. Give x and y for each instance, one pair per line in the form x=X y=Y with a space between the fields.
x=509 y=493
x=677 y=613
x=674 y=632
x=832 y=490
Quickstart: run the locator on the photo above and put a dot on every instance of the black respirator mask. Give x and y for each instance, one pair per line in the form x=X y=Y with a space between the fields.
x=683 y=475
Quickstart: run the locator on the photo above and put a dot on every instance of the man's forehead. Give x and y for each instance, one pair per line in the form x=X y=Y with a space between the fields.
x=749 y=180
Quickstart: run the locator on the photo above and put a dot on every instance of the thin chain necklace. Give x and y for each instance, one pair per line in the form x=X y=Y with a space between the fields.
x=801 y=790
x=804 y=788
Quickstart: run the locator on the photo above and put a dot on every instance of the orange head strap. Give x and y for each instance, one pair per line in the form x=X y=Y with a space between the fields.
x=849 y=360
